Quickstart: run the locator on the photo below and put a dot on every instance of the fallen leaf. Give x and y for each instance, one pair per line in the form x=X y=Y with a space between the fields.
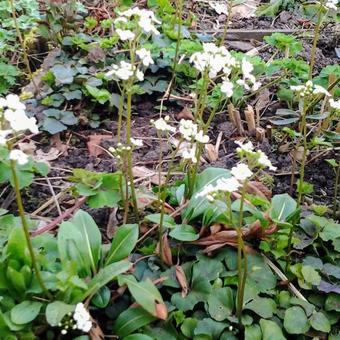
x=161 y=311
x=262 y=100
x=243 y=46
x=185 y=114
x=259 y=189
x=182 y=280
x=51 y=155
x=245 y=10
x=165 y=252
x=211 y=153
x=284 y=148
x=93 y=144
x=28 y=148
x=145 y=173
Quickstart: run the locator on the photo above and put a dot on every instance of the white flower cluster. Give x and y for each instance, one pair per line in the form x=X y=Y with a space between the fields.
x=82 y=318
x=124 y=71
x=218 y=60
x=309 y=89
x=214 y=59
x=249 y=81
x=239 y=173
x=14 y=120
x=260 y=157
x=146 y=20
x=189 y=132
x=161 y=124
x=331 y=4
x=145 y=56
x=219 y=7
x=335 y=104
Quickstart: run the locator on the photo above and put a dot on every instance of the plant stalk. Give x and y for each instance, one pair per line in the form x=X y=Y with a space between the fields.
x=26 y=230
x=336 y=188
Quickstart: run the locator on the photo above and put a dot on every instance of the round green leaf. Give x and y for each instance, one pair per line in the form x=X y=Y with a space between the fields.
x=264 y=307
x=55 y=312
x=320 y=322
x=184 y=232
x=138 y=337
x=25 y=312
x=295 y=321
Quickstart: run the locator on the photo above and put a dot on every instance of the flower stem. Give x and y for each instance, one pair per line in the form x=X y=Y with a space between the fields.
x=230 y=6
x=242 y=275
x=26 y=231
x=315 y=41
x=336 y=188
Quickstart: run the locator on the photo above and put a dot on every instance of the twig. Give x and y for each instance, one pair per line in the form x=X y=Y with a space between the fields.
x=59 y=219
x=54 y=197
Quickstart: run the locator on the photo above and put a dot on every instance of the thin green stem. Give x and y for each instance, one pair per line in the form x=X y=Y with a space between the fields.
x=23 y=46
x=26 y=230
x=242 y=275
x=179 y=14
x=315 y=41
x=224 y=35
x=336 y=188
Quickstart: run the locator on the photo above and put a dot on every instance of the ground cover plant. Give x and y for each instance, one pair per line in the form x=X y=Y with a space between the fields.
x=169 y=169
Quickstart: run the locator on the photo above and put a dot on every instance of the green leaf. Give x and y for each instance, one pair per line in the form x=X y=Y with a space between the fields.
x=104 y=199
x=25 y=312
x=145 y=293
x=168 y=221
x=123 y=243
x=100 y=95
x=263 y=307
x=131 y=320
x=188 y=327
x=55 y=312
x=184 y=232
x=84 y=234
x=310 y=275
x=320 y=322
x=271 y=330
x=282 y=207
x=106 y=275
x=295 y=321
x=63 y=74
x=209 y=327
x=53 y=126
x=253 y=332
x=221 y=303
x=333 y=302
x=138 y=337
x=102 y=297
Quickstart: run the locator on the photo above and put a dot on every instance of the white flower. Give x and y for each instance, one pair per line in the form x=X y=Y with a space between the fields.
x=124 y=71
x=265 y=161
x=208 y=189
x=247 y=147
x=335 y=104
x=3 y=103
x=241 y=172
x=331 y=4
x=187 y=129
x=82 y=318
x=145 y=56
x=140 y=75
x=20 y=122
x=220 y=8
x=303 y=90
x=201 y=137
x=162 y=125
x=321 y=90
x=125 y=34
x=249 y=81
x=230 y=184
x=3 y=136
x=136 y=142
x=120 y=19
x=190 y=154
x=227 y=87
x=63 y=332
x=13 y=102
x=18 y=156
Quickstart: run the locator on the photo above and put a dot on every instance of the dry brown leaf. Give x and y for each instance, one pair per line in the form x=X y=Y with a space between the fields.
x=144 y=172
x=182 y=280
x=161 y=311
x=57 y=143
x=96 y=332
x=165 y=252
x=51 y=155
x=298 y=154
x=93 y=144
x=259 y=189
x=215 y=228
x=211 y=153
x=185 y=114
x=262 y=100
x=28 y=148
x=245 y=10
